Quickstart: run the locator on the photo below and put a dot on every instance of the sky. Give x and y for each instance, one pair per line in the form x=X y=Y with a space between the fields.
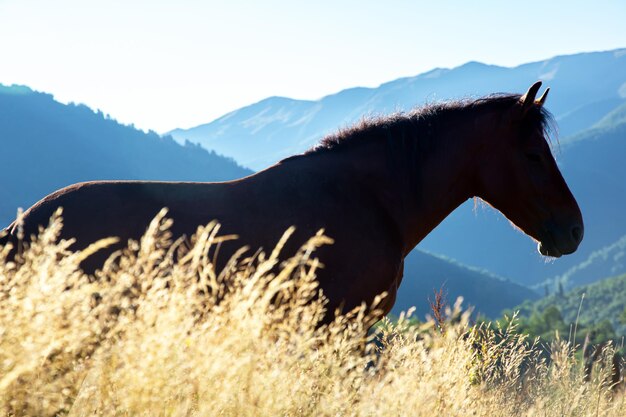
x=167 y=64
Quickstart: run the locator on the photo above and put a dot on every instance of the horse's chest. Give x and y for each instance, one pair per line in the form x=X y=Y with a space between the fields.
x=372 y=276
x=392 y=291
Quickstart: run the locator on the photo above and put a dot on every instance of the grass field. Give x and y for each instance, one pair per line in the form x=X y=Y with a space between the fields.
x=161 y=333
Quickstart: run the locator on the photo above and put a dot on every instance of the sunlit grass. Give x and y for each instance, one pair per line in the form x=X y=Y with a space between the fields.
x=160 y=332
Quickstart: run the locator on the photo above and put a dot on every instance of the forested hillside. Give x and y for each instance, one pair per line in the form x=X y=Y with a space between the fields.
x=46 y=145
x=602 y=311
x=424 y=274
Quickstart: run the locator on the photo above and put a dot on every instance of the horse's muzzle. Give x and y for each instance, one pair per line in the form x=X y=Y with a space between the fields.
x=556 y=242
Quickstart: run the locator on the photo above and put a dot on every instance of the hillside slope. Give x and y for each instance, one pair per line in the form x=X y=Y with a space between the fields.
x=603 y=300
x=607 y=261
x=426 y=273
x=46 y=145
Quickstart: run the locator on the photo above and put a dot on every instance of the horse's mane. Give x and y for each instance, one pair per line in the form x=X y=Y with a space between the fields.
x=425 y=121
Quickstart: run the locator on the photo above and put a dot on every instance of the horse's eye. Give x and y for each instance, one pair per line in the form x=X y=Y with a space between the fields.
x=533 y=157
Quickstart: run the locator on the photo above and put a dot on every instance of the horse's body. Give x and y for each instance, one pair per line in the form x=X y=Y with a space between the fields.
x=377 y=190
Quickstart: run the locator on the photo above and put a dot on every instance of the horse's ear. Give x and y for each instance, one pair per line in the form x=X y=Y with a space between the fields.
x=540 y=102
x=528 y=100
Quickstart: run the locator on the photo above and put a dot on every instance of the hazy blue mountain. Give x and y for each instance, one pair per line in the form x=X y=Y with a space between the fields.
x=45 y=145
x=610 y=121
x=586 y=116
x=425 y=273
x=585 y=87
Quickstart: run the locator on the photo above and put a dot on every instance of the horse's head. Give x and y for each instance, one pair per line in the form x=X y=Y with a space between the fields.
x=520 y=177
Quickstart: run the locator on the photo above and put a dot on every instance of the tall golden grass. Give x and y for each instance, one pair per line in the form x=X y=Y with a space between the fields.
x=160 y=332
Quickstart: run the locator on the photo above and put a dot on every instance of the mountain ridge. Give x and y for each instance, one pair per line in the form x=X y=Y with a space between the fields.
x=299 y=124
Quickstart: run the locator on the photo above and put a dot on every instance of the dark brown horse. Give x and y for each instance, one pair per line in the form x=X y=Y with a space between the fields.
x=377 y=188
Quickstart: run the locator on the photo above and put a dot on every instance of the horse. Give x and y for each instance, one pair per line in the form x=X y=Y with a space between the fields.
x=377 y=188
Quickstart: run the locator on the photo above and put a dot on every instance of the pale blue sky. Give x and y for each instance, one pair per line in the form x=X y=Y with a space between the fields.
x=167 y=64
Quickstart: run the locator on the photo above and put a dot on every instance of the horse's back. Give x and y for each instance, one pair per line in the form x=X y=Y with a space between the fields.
x=94 y=210
x=122 y=209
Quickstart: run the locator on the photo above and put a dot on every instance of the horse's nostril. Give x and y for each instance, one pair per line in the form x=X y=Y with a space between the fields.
x=577 y=234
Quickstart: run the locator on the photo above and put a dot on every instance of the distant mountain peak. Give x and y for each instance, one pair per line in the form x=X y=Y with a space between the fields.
x=434 y=73
x=474 y=64
x=277 y=99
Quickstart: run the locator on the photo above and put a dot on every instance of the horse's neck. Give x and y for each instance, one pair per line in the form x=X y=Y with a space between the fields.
x=442 y=179
x=414 y=206
x=448 y=176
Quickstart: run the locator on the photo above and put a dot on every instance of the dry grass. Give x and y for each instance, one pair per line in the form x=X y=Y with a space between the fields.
x=158 y=334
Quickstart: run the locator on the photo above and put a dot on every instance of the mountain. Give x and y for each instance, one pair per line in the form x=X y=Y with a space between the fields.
x=613 y=118
x=588 y=91
x=46 y=145
x=586 y=87
x=425 y=273
x=602 y=301
x=607 y=261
